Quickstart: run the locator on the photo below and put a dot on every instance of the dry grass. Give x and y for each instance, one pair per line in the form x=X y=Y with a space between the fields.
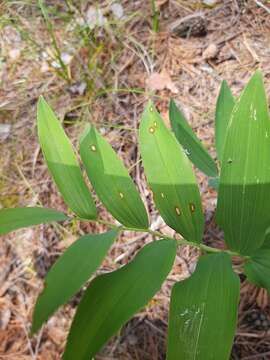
x=115 y=65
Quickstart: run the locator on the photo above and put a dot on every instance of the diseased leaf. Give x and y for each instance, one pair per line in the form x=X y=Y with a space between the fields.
x=170 y=176
x=257 y=268
x=195 y=150
x=224 y=107
x=243 y=209
x=111 y=180
x=214 y=183
x=12 y=219
x=62 y=163
x=203 y=311
x=113 y=298
x=70 y=272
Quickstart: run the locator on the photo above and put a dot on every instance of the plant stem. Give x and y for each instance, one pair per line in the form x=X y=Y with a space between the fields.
x=158 y=234
x=155 y=13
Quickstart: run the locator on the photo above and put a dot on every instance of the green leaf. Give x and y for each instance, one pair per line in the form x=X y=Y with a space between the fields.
x=70 y=272
x=170 y=176
x=111 y=180
x=194 y=149
x=203 y=311
x=243 y=209
x=257 y=268
x=113 y=298
x=224 y=107
x=12 y=219
x=62 y=163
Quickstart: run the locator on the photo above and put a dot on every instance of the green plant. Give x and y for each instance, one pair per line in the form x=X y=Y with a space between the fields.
x=203 y=310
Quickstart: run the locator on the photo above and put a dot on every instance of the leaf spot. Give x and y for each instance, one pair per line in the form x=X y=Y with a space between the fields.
x=178 y=211
x=151 y=130
x=151 y=109
x=93 y=148
x=121 y=195
x=192 y=207
x=162 y=195
x=155 y=124
x=229 y=161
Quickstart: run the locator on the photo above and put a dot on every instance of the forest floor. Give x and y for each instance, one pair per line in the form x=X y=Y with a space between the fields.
x=105 y=77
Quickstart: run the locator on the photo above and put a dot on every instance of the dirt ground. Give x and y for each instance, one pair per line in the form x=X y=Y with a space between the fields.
x=105 y=76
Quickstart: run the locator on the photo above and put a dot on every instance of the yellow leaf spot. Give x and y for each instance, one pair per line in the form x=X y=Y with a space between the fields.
x=178 y=211
x=151 y=109
x=151 y=130
x=192 y=207
x=121 y=195
x=155 y=124
x=93 y=148
x=162 y=195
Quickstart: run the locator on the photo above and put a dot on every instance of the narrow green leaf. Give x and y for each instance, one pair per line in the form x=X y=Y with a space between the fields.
x=170 y=176
x=203 y=311
x=243 y=209
x=62 y=162
x=70 y=272
x=194 y=149
x=12 y=219
x=224 y=107
x=111 y=180
x=113 y=298
x=257 y=268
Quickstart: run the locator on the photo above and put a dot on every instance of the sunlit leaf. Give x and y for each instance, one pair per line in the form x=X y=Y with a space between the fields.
x=224 y=106
x=195 y=150
x=203 y=311
x=111 y=180
x=170 y=176
x=62 y=162
x=70 y=272
x=12 y=219
x=113 y=298
x=243 y=209
x=257 y=268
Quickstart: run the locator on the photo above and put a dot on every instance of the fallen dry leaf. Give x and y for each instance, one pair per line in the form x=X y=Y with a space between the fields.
x=161 y=81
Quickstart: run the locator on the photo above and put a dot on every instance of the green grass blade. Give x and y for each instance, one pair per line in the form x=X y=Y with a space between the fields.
x=170 y=176
x=62 y=163
x=113 y=298
x=111 y=180
x=70 y=272
x=224 y=107
x=203 y=311
x=257 y=268
x=12 y=219
x=243 y=209
x=195 y=150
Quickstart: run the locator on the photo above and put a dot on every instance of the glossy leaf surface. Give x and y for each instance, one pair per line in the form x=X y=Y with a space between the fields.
x=170 y=176
x=203 y=311
x=257 y=269
x=12 y=219
x=113 y=298
x=111 y=180
x=243 y=209
x=70 y=272
x=224 y=107
x=194 y=149
x=62 y=162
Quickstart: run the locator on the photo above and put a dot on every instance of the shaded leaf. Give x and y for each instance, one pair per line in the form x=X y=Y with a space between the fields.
x=113 y=298
x=111 y=180
x=62 y=162
x=224 y=106
x=203 y=311
x=170 y=176
x=70 y=272
x=12 y=219
x=257 y=268
x=243 y=209
x=192 y=145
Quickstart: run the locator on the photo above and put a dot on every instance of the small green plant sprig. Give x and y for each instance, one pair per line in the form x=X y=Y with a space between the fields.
x=203 y=308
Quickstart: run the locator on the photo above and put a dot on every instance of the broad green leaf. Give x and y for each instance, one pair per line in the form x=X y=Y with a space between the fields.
x=257 y=268
x=113 y=298
x=266 y=242
x=62 y=162
x=12 y=219
x=203 y=311
x=194 y=149
x=111 y=180
x=70 y=272
x=243 y=209
x=170 y=176
x=224 y=107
